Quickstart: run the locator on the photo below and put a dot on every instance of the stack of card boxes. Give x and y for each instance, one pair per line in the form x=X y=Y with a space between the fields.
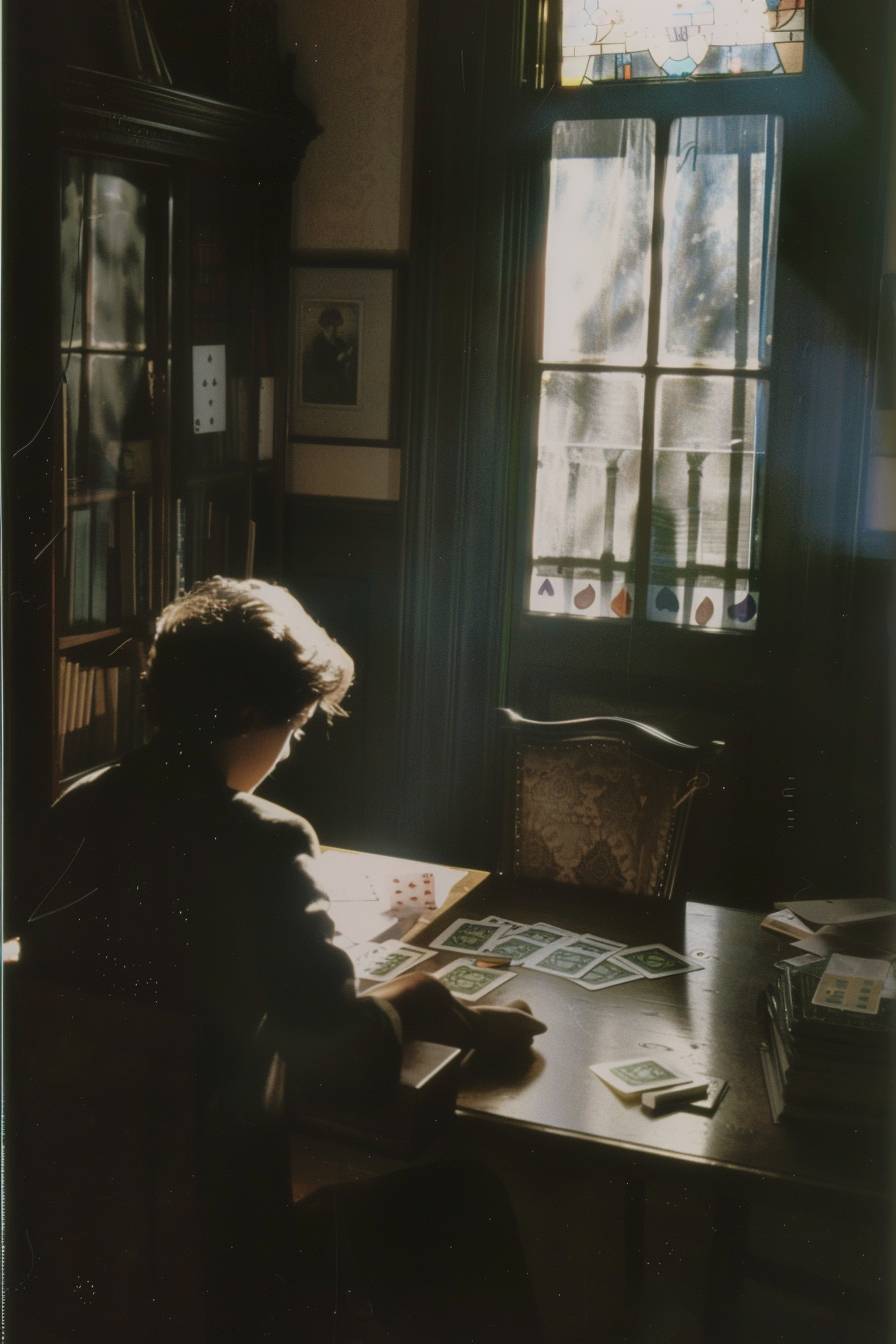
x=824 y=1064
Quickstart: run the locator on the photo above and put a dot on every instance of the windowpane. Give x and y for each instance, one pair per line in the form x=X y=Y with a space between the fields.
x=586 y=493
x=720 y=217
x=71 y=240
x=710 y=441
x=668 y=39
x=598 y=247
x=118 y=447
x=116 y=310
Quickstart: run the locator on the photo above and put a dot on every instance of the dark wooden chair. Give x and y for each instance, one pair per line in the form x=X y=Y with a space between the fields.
x=103 y=1228
x=111 y=1220
x=599 y=802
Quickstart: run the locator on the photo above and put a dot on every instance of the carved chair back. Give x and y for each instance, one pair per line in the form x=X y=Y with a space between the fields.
x=599 y=802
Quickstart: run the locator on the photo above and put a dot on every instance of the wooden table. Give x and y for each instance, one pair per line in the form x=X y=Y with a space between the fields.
x=707 y=1021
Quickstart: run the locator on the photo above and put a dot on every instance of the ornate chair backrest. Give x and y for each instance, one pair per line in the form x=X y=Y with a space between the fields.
x=599 y=802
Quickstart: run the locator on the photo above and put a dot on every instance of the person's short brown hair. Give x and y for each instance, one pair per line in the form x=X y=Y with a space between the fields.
x=229 y=645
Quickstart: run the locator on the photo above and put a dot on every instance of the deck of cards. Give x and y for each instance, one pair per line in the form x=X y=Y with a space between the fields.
x=643 y=1073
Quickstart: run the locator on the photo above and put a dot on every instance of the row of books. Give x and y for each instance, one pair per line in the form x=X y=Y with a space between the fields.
x=821 y=1063
x=98 y=713
x=108 y=560
x=209 y=541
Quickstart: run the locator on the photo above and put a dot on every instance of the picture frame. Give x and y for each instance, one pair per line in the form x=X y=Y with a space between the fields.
x=343 y=357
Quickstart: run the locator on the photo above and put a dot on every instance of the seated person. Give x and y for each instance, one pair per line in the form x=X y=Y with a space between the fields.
x=173 y=884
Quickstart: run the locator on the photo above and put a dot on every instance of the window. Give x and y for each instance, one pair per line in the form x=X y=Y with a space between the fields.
x=655 y=369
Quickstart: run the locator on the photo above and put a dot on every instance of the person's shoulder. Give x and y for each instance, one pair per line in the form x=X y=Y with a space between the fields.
x=273 y=823
x=89 y=791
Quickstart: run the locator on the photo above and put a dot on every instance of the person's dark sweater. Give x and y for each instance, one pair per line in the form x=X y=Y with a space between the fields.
x=162 y=884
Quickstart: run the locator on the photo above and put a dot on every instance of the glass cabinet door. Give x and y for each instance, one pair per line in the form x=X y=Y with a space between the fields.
x=114 y=339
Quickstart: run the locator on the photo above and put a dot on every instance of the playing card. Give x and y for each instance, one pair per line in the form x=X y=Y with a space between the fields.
x=709 y=1104
x=411 y=892
x=392 y=961
x=544 y=933
x=564 y=960
x=471 y=982
x=607 y=972
x=360 y=951
x=632 y=1077
x=851 y=993
x=662 y=1099
x=654 y=960
x=465 y=935
x=590 y=941
x=515 y=946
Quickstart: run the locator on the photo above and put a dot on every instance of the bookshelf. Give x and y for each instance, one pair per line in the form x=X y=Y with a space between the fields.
x=154 y=235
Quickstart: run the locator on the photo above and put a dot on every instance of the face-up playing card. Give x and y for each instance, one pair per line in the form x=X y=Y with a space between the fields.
x=410 y=892
x=851 y=993
x=391 y=961
x=465 y=935
x=590 y=942
x=515 y=946
x=632 y=1077
x=544 y=933
x=654 y=960
x=471 y=982
x=565 y=960
x=607 y=972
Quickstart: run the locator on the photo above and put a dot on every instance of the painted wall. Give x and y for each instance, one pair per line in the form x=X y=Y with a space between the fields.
x=354 y=69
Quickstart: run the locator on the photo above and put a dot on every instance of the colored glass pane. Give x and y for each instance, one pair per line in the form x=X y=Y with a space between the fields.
x=680 y=39
x=704 y=546
x=586 y=492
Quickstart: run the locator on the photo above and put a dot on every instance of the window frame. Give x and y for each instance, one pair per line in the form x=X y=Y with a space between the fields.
x=636 y=646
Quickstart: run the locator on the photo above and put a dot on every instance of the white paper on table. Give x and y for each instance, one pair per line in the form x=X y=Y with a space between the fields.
x=826 y=944
x=851 y=910
x=786 y=922
x=367 y=877
x=870 y=968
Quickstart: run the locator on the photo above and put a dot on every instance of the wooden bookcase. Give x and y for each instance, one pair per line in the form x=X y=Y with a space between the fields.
x=150 y=235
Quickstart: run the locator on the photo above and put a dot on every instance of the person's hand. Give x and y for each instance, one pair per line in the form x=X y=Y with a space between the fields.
x=506 y=1031
x=428 y=1011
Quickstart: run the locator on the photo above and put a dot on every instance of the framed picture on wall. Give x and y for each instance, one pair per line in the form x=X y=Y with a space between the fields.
x=343 y=353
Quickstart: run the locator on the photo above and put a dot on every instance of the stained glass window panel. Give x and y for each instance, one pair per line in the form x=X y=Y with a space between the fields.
x=720 y=210
x=598 y=243
x=586 y=493
x=680 y=39
x=707 y=479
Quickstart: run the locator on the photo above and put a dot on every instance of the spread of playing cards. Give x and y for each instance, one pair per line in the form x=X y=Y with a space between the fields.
x=584 y=958
x=491 y=949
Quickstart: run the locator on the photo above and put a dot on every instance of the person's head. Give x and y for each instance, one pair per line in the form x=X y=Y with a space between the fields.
x=239 y=658
x=330 y=321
